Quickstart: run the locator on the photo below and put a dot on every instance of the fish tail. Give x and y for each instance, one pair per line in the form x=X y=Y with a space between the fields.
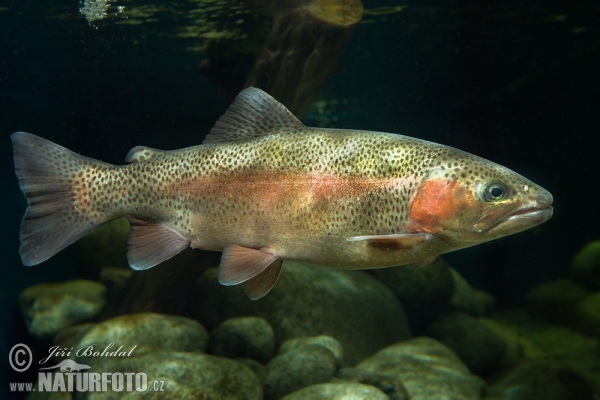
x=58 y=212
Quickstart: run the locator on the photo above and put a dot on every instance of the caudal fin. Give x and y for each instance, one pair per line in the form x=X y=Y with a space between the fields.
x=47 y=173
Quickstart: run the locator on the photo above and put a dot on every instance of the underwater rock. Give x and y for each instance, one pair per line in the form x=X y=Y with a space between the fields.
x=185 y=376
x=50 y=307
x=350 y=306
x=424 y=292
x=516 y=346
x=164 y=289
x=588 y=314
x=70 y=337
x=487 y=301
x=428 y=370
x=542 y=340
x=389 y=385
x=585 y=267
x=328 y=342
x=477 y=346
x=104 y=246
x=115 y=279
x=338 y=391
x=540 y=380
x=259 y=369
x=148 y=332
x=247 y=337
x=49 y=396
x=464 y=298
x=555 y=300
x=298 y=367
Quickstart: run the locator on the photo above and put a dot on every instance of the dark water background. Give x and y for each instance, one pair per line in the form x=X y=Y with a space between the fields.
x=515 y=82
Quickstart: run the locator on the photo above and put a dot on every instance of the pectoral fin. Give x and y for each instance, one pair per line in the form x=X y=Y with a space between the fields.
x=240 y=264
x=424 y=262
x=151 y=243
x=392 y=242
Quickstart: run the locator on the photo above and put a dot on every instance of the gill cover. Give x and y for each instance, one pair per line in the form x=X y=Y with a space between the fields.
x=438 y=203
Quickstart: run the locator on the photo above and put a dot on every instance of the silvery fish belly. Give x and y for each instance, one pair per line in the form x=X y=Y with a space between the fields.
x=264 y=188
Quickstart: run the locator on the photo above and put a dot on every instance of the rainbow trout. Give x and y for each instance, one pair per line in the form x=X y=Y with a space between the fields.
x=263 y=188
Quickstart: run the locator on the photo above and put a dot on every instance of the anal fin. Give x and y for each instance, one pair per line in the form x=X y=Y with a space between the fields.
x=151 y=243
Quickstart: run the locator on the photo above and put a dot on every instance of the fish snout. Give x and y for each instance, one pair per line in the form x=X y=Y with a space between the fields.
x=544 y=199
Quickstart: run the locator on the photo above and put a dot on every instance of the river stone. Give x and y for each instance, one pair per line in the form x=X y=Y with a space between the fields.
x=338 y=391
x=51 y=307
x=351 y=306
x=555 y=300
x=115 y=279
x=258 y=368
x=515 y=345
x=391 y=386
x=50 y=396
x=104 y=246
x=145 y=332
x=540 y=380
x=476 y=345
x=464 y=298
x=247 y=337
x=587 y=314
x=428 y=370
x=70 y=338
x=297 y=368
x=424 y=291
x=585 y=267
x=548 y=341
x=487 y=301
x=185 y=376
x=328 y=342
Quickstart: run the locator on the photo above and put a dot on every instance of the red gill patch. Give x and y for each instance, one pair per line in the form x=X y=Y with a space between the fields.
x=439 y=201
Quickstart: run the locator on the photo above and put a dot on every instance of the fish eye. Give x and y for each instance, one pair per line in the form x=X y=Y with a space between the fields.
x=493 y=191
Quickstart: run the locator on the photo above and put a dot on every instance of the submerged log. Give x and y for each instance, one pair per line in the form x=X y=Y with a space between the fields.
x=303 y=48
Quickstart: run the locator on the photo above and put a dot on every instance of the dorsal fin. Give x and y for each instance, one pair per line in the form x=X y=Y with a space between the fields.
x=142 y=153
x=253 y=114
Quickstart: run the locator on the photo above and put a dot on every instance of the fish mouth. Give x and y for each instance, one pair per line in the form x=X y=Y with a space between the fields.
x=533 y=211
x=519 y=220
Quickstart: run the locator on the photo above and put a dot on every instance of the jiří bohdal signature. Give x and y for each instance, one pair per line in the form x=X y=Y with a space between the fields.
x=87 y=351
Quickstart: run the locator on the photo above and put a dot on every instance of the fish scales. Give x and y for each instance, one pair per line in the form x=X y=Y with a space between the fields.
x=321 y=184
x=264 y=188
